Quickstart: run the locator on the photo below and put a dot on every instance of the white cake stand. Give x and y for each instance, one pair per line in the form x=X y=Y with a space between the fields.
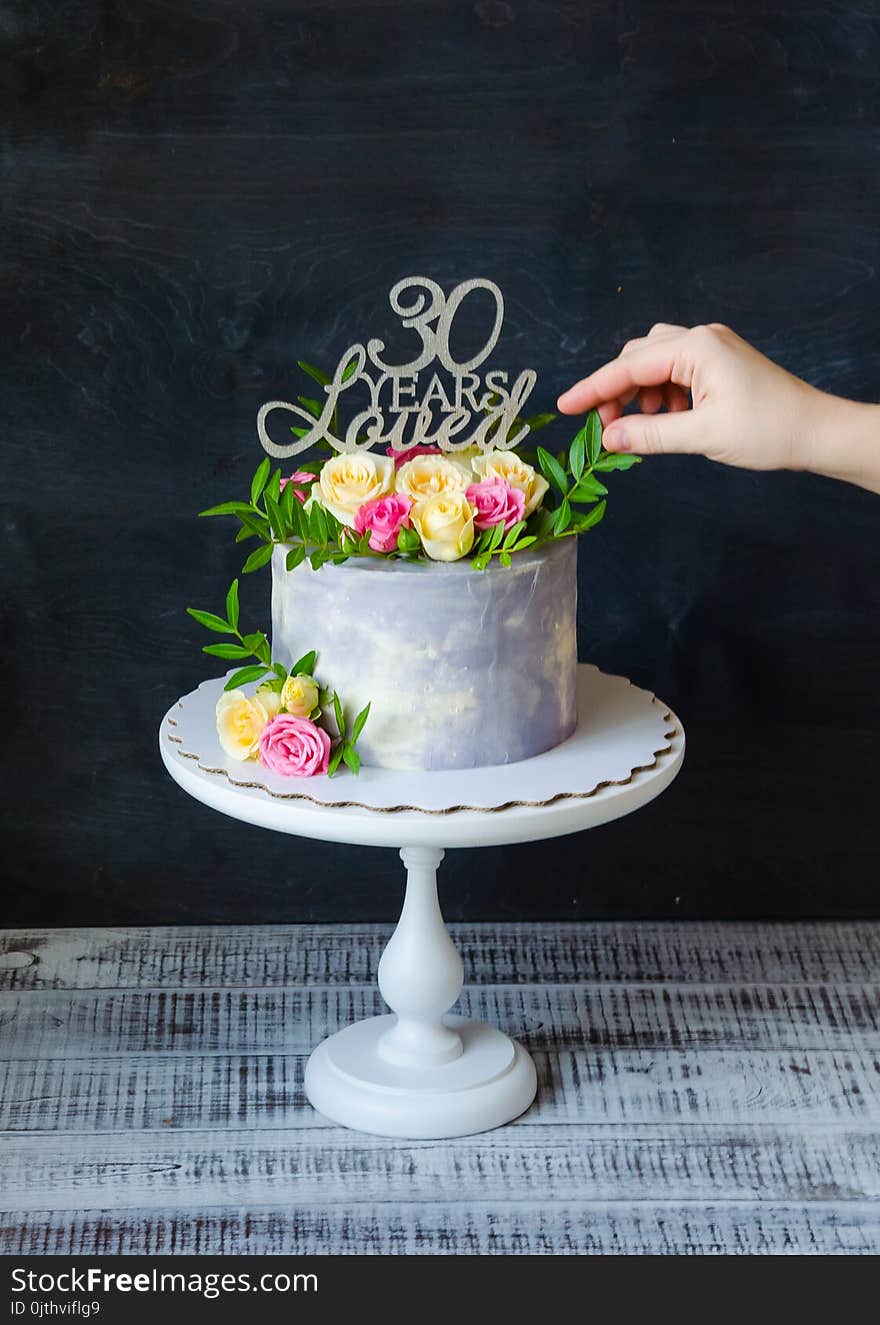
x=421 y=1072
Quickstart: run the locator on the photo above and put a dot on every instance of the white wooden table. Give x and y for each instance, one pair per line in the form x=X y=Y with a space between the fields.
x=704 y=1088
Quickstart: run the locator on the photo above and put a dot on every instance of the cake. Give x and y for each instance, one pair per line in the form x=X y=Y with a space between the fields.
x=423 y=563
x=462 y=668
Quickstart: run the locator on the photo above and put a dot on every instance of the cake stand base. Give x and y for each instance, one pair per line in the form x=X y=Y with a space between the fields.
x=492 y=1081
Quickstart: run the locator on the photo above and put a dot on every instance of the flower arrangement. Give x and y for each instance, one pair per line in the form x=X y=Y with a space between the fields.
x=424 y=504
x=292 y=725
x=419 y=504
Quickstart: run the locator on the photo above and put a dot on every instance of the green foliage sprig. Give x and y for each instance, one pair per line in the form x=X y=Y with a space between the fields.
x=572 y=476
x=273 y=675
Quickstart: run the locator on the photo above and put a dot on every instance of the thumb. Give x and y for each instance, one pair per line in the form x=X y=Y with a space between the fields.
x=656 y=434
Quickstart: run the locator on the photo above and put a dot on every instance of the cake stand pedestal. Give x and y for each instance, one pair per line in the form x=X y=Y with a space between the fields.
x=421 y=1072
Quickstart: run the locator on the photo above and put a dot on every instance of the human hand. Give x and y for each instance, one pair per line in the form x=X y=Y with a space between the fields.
x=745 y=409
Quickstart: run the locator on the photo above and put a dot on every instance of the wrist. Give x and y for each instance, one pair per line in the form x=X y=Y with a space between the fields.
x=842 y=441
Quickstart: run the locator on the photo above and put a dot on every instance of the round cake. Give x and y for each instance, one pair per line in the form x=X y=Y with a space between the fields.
x=462 y=668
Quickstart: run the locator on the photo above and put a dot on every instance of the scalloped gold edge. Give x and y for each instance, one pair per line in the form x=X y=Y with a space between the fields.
x=419 y=809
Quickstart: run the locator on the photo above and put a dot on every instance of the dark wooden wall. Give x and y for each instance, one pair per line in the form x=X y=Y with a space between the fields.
x=194 y=194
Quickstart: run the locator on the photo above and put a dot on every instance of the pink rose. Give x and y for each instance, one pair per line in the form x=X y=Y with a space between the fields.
x=300 y=477
x=401 y=457
x=496 y=502
x=294 y=747
x=384 y=517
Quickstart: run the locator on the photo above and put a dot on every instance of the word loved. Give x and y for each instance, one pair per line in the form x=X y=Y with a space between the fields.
x=409 y=406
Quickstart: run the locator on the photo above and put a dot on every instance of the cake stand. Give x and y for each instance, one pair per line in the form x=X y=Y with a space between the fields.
x=421 y=1072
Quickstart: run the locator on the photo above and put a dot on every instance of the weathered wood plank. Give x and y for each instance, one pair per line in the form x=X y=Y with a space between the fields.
x=797 y=1017
x=146 y=1171
x=470 y=1227
x=579 y=1086
x=261 y=956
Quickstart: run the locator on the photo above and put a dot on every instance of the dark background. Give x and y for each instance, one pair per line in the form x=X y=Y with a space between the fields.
x=195 y=194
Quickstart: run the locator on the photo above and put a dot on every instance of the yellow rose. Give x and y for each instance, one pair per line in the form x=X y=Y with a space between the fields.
x=270 y=700
x=428 y=475
x=508 y=466
x=445 y=524
x=240 y=721
x=351 y=478
x=299 y=696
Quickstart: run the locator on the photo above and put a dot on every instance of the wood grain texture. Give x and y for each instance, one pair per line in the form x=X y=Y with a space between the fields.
x=795 y=1017
x=554 y=1164
x=195 y=195
x=746 y=1228
x=578 y=1086
x=565 y=954
x=724 y=1097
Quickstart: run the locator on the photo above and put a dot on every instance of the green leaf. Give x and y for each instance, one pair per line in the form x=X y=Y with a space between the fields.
x=351 y=758
x=257 y=523
x=226 y=650
x=359 y=724
x=262 y=650
x=609 y=460
x=295 y=557
x=481 y=562
x=226 y=508
x=286 y=504
x=524 y=543
x=589 y=489
x=593 y=430
x=305 y=665
x=349 y=369
x=577 y=453
x=274 y=513
x=258 y=558
x=273 y=487
x=538 y=421
x=318 y=557
x=317 y=374
x=314 y=407
x=211 y=621
x=495 y=537
x=589 y=518
x=232 y=605
x=300 y=432
x=504 y=558
x=335 y=759
x=244 y=676
x=513 y=534
x=244 y=534
x=318 y=527
x=260 y=479
x=562 y=517
x=553 y=471
x=338 y=714
x=280 y=672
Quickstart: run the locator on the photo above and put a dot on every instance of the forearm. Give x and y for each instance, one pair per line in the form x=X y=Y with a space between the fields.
x=842 y=441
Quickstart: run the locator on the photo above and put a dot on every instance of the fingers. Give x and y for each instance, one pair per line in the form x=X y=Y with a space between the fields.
x=654 y=363
x=657 y=434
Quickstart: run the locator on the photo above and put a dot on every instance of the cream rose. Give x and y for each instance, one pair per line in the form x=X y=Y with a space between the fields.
x=507 y=465
x=445 y=524
x=428 y=475
x=348 y=480
x=299 y=696
x=240 y=721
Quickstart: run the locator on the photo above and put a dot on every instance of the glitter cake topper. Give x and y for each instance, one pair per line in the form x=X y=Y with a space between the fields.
x=408 y=405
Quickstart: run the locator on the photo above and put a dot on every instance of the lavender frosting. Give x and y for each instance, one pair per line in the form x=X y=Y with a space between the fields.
x=463 y=668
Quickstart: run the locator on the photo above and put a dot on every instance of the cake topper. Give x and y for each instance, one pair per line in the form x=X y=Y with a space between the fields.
x=410 y=404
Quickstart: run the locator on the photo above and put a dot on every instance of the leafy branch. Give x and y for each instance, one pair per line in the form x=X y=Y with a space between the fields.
x=572 y=475
x=256 y=645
